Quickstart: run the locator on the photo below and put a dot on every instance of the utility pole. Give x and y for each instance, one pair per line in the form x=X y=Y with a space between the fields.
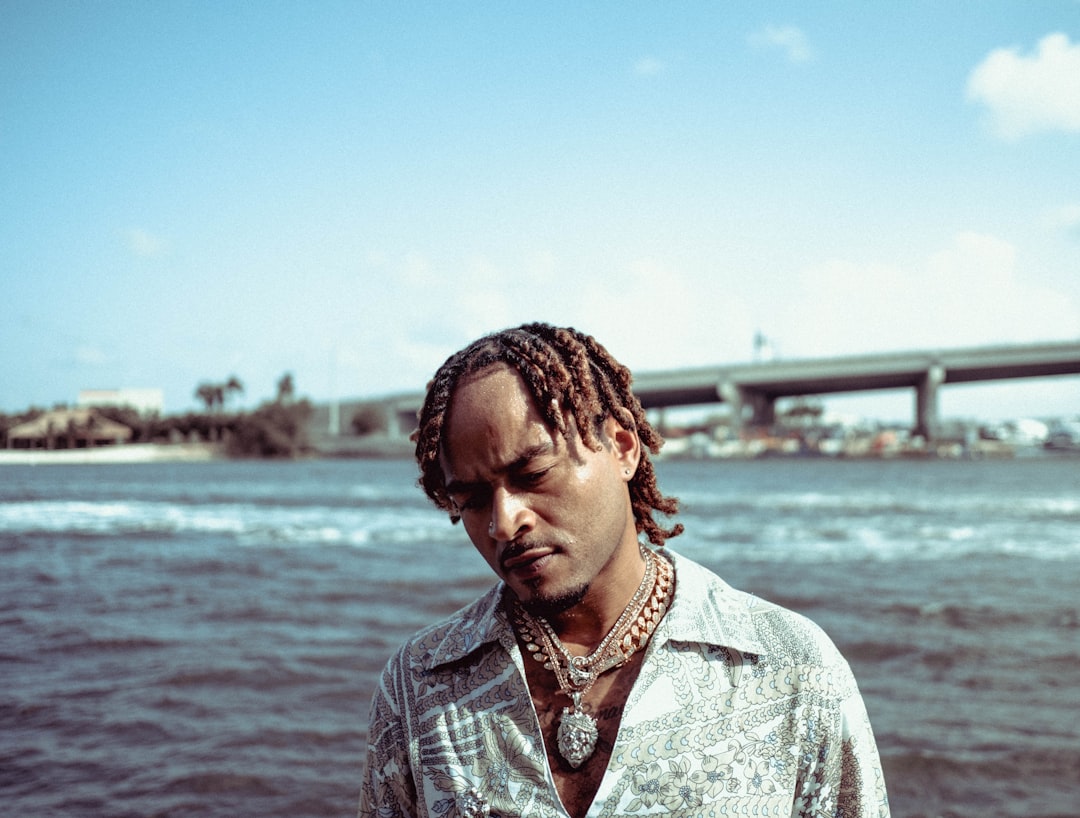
x=335 y=409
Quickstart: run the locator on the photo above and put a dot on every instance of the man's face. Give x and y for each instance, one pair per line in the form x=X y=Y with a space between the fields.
x=547 y=513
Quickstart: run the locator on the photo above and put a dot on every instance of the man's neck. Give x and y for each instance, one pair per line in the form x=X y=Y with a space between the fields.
x=584 y=626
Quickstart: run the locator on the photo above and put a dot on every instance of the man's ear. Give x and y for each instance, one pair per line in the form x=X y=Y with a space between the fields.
x=625 y=444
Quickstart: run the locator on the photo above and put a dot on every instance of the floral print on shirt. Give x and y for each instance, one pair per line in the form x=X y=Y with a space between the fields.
x=741 y=708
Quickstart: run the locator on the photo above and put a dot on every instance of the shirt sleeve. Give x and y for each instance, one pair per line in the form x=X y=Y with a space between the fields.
x=387 y=789
x=841 y=776
x=861 y=788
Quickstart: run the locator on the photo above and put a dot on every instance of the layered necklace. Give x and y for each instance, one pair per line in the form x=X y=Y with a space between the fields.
x=576 y=675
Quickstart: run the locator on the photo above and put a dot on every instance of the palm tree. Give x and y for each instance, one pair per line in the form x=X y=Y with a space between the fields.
x=210 y=394
x=286 y=388
x=233 y=385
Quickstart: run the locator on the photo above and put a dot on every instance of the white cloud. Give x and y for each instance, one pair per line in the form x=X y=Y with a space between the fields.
x=789 y=39
x=967 y=294
x=652 y=316
x=415 y=270
x=485 y=298
x=649 y=67
x=1066 y=219
x=144 y=244
x=1026 y=94
x=90 y=356
x=649 y=314
x=449 y=304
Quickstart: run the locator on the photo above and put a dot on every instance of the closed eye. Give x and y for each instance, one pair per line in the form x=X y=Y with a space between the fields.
x=532 y=479
x=471 y=501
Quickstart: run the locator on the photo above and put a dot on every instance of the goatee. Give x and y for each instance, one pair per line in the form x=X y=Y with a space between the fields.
x=550 y=607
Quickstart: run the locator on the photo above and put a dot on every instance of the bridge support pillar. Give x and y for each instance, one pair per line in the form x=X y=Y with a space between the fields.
x=748 y=408
x=763 y=409
x=659 y=421
x=732 y=395
x=402 y=422
x=927 y=417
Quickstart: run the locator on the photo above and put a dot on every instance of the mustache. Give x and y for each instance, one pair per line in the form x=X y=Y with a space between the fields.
x=517 y=549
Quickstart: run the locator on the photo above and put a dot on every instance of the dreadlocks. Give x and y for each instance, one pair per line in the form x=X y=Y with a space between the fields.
x=565 y=371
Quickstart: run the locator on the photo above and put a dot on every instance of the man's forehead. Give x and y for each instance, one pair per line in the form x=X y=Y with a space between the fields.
x=498 y=374
x=511 y=465
x=498 y=385
x=493 y=425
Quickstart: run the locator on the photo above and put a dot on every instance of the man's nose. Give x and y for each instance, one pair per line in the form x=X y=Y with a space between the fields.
x=510 y=516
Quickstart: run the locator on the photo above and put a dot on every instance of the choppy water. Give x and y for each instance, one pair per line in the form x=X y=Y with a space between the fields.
x=202 y=639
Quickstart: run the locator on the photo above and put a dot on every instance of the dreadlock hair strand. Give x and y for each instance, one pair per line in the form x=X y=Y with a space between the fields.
x=566 y=372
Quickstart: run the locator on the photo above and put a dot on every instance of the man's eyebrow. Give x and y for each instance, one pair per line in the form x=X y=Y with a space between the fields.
x=517 y=464
x=530 y=454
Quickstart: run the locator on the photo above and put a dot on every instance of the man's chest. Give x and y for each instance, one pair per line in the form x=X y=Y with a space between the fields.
x=603 y=704
x=674 y=734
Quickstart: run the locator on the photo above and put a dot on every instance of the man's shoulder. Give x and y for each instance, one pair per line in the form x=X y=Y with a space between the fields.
x=453 y=637
x=729 y=617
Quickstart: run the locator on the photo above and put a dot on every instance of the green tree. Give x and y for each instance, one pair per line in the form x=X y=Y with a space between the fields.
x=216 y=395
x=232 y=386
x=286 y=388
x=211 y=394
x=368 y=420
x=275 y=429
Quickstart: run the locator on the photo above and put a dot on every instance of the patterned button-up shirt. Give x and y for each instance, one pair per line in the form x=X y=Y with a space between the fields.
x=741 y=708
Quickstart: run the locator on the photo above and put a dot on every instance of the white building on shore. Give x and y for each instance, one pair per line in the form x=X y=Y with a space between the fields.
x=143 y=401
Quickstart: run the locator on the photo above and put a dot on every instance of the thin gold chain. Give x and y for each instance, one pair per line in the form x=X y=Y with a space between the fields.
x=577 y=674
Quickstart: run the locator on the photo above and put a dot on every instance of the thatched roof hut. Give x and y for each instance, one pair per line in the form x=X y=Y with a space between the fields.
x=68 y=429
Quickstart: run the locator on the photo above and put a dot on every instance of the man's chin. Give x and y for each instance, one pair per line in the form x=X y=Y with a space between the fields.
x=550 y=606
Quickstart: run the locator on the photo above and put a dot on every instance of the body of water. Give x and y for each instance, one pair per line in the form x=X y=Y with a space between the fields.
x=203 y=639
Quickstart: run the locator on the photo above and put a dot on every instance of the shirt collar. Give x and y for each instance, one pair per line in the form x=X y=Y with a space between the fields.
x=705 y=610
x=709 y=611
x=473 y=626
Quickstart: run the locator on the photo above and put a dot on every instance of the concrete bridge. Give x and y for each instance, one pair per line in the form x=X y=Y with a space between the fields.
x=752 y=389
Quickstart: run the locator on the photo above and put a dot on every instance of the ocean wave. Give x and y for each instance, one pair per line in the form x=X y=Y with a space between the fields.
x=205 y=640
x=831 y=540
x=742 y=530
x=994 y=781
x=858 y=504
x=242 y=523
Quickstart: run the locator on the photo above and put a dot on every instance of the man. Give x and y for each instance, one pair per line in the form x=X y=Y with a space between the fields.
x=601 y=676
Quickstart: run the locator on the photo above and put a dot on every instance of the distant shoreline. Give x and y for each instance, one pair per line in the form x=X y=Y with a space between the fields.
x=375 y=447
x=126 y=453
x=379 y=447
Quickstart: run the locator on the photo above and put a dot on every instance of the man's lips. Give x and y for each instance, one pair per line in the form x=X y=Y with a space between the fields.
x=519 y=561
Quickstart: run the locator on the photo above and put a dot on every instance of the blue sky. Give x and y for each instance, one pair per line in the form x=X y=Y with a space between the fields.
x=351 y=191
